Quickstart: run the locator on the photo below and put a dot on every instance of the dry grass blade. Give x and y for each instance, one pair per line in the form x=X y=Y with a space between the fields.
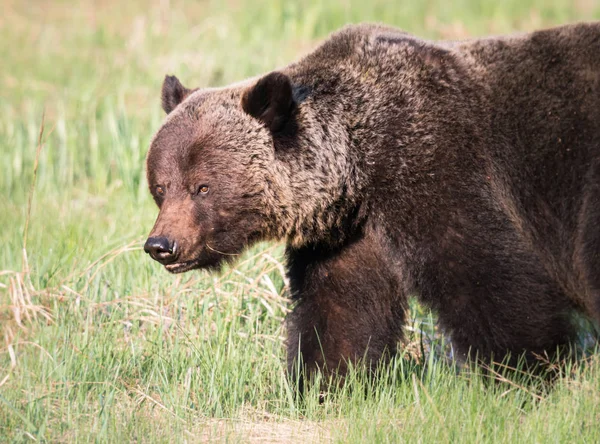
x=501 y=378
x=20 y=287
x=143 y=396
x=40 y=144
x=110 y=256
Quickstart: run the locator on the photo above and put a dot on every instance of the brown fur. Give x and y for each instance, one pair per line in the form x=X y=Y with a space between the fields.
x=467 y=173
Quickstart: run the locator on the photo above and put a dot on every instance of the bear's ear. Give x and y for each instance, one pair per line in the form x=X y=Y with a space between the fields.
x=173 y=93
x=270 y=100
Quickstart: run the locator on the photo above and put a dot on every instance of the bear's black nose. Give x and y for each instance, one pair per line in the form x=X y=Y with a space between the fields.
x=161 y=249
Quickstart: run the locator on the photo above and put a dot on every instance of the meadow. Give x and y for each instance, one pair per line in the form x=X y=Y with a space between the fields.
x=99 y=343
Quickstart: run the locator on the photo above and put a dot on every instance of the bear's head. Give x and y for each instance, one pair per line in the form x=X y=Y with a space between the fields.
x=232 y=166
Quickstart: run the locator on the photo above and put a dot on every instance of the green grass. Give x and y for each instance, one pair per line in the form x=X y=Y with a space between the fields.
x=99 y=343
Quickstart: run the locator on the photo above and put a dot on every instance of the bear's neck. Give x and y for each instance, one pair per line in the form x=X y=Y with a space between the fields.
x=319 y=170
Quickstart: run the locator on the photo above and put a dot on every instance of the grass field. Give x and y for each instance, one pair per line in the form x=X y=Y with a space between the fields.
x=100 y=343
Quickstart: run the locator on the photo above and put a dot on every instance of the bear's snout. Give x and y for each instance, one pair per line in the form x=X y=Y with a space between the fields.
x=161 y=249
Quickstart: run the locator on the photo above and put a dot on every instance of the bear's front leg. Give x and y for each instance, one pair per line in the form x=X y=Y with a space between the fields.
x=349 y=305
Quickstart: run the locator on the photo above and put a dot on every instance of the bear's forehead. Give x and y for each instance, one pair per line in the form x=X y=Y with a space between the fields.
x=204 y=140
x=172 y=138
x=176 y=158
x=207 y=131
x=210 y=118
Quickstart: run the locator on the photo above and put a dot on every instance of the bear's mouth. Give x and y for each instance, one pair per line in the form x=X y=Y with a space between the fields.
x=199 y=262
x=182 y=267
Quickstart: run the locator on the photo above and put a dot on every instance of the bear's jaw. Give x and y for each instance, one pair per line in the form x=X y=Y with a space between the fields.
x=181 y=267
x=206 y=260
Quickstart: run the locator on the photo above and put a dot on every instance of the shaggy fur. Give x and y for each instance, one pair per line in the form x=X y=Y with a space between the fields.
x=467 y=173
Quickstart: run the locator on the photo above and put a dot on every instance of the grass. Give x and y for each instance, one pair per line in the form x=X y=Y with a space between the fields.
x=99 y=343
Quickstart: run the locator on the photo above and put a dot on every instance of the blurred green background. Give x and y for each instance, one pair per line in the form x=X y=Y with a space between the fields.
x=100 y=343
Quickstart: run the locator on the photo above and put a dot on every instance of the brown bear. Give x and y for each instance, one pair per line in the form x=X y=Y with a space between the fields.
x=466 y=173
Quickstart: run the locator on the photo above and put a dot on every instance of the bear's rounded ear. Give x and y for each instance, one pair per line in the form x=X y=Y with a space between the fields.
x=270 y=100
x=173 y=93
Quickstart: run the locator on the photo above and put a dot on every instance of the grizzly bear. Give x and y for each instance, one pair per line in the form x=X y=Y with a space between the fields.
x=465 y=173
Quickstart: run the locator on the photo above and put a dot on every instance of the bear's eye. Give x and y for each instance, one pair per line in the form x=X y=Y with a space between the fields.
x=203 y=189
x=160 y=190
